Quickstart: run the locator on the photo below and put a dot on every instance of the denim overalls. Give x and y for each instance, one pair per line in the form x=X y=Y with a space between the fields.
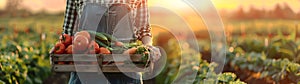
x=115 y=20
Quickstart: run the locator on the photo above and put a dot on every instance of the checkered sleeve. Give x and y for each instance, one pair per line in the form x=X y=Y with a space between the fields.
x=70 y=17
x=142 y=20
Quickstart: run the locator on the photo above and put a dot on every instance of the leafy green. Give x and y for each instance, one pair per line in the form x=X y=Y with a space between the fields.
x=24 y=57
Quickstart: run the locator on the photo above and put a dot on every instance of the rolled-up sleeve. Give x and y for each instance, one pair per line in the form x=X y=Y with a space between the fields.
x=142 y=20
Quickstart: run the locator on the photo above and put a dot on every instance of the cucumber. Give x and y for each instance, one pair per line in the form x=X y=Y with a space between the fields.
x=99 y=36
x=103 y=45
x=109 y=37
x=130 y=45
x=106 y=42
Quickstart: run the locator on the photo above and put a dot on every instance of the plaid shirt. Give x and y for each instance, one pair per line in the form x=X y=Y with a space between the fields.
x=139 y=12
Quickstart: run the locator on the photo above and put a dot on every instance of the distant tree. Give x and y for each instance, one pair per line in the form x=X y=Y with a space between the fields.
x=24 y=12
x=298 y=15
x=239 y=14
x=1 y=12
x=42 y=12
x=264 y=13
x=12 y=6
x=254 y=13
x=278 y=12
x=288 y=13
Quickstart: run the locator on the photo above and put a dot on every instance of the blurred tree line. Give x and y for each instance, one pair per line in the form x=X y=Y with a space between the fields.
x=14 y=8
x=283 y=11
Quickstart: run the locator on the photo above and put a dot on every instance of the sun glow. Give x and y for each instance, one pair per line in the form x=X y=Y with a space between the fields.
x=2 y=4
x=174 y=4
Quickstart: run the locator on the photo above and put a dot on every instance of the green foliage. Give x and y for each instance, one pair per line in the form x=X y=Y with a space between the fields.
x=258 y=62
x=185 y=61
x=279 y=60
x=279 y=47
x=24 y=57
x=207 y=74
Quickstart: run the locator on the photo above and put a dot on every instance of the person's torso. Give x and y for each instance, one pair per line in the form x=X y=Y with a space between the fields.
x=117 y=20
x=132 y=3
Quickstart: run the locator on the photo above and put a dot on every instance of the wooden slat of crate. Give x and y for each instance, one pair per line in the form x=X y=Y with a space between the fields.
x=125 y=68
x=78 y=68
x=95 y=68
x=75 y=57
x=122 y=57
x=100 y=58
x=85 y=57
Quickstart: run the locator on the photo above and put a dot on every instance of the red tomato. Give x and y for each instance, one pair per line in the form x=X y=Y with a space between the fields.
x=80 y=43
x=69 y=49
x=59 y=48
x=65 y=39
x=93 y=45
x=97 y=50
x=84 y=33
x=93 y=48
x=94 y=51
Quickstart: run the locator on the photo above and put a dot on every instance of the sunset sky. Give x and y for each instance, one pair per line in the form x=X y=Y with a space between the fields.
x=59 y=5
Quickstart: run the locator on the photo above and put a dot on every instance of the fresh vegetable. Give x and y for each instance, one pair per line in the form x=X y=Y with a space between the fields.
x=141 y=50
x=98 y=36
x=130 y=45
x=101 y=44
x=104 y=51
x=101 y=37
x=69 y=49
x=119 y=44
x=93 y=48
x=131 y=51
x=109 y=37
x=93 y=45
x=84 y=33
x=65 y=39
x=80 y=43
x=59 y=48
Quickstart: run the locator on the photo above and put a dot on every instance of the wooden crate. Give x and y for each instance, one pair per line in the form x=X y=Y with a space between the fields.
x=99 y=62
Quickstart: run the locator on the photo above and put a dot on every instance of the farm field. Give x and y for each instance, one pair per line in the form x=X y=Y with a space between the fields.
x=258 y=52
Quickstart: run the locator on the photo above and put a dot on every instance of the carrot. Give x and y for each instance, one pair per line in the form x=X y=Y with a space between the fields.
x=130 y=51
x=104 y=50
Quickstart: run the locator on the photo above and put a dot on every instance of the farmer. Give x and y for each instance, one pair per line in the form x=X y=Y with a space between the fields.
x=127 y=20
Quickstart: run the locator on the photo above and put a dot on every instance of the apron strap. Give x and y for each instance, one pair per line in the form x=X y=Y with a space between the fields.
x=90 y=17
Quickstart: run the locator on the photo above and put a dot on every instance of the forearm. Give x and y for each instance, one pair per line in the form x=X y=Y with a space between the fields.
x=142 y=23
x=147 y=40
x=145 y=35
